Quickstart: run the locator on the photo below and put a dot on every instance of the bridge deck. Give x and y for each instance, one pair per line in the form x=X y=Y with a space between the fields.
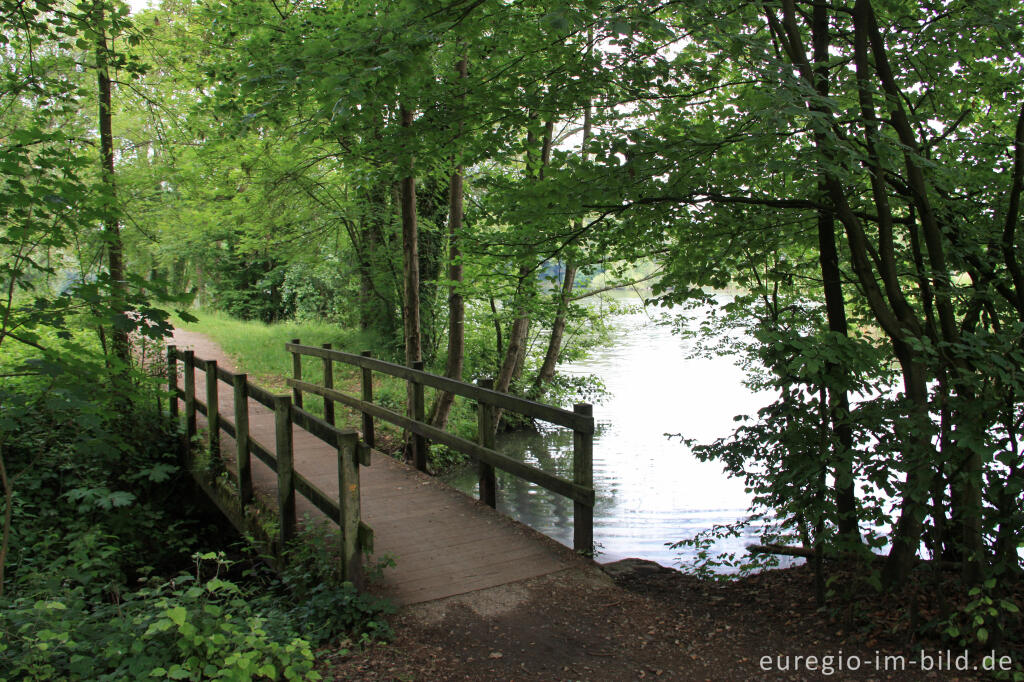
x=443 y=542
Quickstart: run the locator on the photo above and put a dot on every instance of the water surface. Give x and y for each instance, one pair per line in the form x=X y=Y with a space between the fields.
x=650 y=489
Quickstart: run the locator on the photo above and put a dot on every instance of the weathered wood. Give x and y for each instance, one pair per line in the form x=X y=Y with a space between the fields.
x=488 y=484
x=263 y=397
x=320 y=500
x=505 y=401
x=212 y=410
x=263 y=452
x=318 y=427
x=583 y=476
x=368 y=437
x=419 y=443
x=226 y=376
x=297 y=373
x=190 y=400
x=350 y=516
x=328 y=383
x=285 y=467
x=172 y=383
x=243 y=465
x=517 y=468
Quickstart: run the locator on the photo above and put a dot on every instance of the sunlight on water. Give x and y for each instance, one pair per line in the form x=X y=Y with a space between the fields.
x=650 y=488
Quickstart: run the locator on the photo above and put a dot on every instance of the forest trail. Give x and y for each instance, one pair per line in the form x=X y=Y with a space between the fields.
x=443 y=543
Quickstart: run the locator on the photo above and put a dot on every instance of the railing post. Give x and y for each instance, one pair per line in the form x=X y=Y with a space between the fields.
x=190 y=400
x=583 y=475
x=328 y=383
x=285 y=467
x=243 y=464
x=368 y=398
x=212 y=409
x=297 y=373
x=419 y=443
x=348 y=503
x=486 y=437
x=172 y=382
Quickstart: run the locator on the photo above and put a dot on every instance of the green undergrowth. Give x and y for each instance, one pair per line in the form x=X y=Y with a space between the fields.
x=117 y=568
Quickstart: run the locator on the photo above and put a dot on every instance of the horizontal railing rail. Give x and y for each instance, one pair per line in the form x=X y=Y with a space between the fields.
x=356 y=536
x=580 y=489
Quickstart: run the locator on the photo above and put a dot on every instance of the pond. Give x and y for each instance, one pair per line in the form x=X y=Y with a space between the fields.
x=650 y=488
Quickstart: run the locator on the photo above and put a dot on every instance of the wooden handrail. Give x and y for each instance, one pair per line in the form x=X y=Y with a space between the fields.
x=581 y=420
x=542 y=478
x=356 y=536
x=548 y=413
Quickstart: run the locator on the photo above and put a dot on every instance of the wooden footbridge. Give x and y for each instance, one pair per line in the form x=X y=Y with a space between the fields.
x=305 y=467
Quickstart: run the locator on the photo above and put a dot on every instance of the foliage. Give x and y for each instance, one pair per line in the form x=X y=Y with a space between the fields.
x=327 y=607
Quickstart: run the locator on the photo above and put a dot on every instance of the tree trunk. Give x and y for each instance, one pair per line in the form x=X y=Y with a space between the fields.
x=111 y=225
x=547 y=368
x=410 y=259
x=456 y=305
x=835 y=307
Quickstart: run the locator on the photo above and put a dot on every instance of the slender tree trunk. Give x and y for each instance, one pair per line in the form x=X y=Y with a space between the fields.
x=456 y=305
x=835 y=307
x=410 y=259
x=547 y=368
x=515 y=352
x=111 y=226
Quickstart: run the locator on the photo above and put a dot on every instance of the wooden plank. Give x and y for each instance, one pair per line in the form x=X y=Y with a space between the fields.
x=351 y=514
x=318 y=427
x=225 y=376
x=583 y=476
x=172 y=383
x=319 y=498
x=548 y=413
x=297 y=373
x=367 y=393
x=263 y=397
x=485 y=428
x=243 y=464
x=285 y=467
x=520 y=469
x=212 y=409
x=419 y=443
x=264 y=453
x=328 y=383
x=190 y=400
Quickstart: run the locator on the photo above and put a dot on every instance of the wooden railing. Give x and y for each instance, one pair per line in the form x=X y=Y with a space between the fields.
x=355 y=536
x=580 y=489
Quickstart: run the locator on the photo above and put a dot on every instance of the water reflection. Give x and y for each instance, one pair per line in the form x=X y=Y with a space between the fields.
x=650 y=489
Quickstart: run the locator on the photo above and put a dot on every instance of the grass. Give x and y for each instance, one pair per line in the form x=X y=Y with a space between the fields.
x=257 y=348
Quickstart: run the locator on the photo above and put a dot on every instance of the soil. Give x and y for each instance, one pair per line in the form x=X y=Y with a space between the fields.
x=638 y=620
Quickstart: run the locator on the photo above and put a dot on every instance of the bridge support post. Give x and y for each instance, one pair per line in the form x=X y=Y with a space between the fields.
x=368 y=437
x=419 y=443
x=172 y=383
x=190 y=401
x=485 y=416
x=328 y=383
x=212 y=409
x=243 y=465
x=583 y=475
x=285 y=468
x=348 y=504
x=297 y=373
